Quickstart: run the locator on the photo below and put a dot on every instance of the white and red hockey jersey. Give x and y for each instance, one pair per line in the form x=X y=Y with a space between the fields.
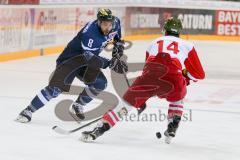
x=182 y=53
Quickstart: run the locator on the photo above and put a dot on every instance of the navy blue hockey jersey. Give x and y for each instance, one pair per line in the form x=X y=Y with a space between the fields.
x=90 y=39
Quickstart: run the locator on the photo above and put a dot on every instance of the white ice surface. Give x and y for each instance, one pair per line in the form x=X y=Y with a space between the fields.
x=213 y=133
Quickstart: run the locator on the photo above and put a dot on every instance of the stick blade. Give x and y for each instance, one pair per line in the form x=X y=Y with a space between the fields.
x=60 y=130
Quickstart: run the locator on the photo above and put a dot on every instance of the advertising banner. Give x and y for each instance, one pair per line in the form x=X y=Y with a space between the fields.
x=41 y=27
x=23 y=2
x=15 y=29
x=145 y=20
x=56 y=26
x=228 y=23
x=28 y=28
x=3 y=1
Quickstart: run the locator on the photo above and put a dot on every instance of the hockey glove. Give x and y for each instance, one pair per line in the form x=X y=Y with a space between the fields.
x=187 y=79
x=118 y=65
x=118 y=49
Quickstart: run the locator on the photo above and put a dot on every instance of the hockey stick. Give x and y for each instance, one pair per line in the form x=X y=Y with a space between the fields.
x=143 y=107
x=67 y=132
x=62 y=131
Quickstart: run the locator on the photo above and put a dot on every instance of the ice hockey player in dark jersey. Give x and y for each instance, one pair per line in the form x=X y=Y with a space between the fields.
x=81 y=59
x=171 y=63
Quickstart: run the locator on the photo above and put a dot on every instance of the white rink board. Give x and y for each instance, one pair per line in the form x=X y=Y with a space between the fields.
x=213 y=134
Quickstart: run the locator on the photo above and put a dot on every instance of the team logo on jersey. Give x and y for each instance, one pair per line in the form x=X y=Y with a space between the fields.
x=113 y=34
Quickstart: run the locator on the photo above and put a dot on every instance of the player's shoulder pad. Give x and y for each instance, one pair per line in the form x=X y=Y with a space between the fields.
x=117 y=22
x=188 y=44
x=117 y=19
x=88 y=27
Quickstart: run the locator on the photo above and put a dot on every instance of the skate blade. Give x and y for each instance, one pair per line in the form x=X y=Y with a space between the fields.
x=73 y=115
x=86 y=138
x=21 y=119
x=168 y=139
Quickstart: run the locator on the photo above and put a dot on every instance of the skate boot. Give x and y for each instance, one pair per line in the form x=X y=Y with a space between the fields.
x=25 y=116
x=95 y=133
x=172 y=128
x=76 y=111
